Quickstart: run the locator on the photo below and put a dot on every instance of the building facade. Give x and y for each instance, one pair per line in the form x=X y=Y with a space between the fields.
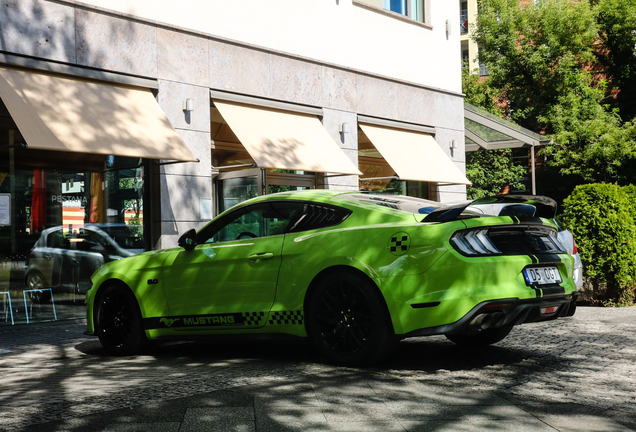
x=124 y=124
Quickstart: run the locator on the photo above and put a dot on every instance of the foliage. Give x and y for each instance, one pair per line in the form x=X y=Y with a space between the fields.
x=617 y=24
x=480 y=92
x=541 y=56
x=601 y=218
x=490 y=171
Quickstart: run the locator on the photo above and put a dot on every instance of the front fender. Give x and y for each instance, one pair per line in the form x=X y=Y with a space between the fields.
x=142 y=274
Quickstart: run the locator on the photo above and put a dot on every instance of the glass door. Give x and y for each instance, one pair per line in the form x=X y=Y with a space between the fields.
x=234 y=187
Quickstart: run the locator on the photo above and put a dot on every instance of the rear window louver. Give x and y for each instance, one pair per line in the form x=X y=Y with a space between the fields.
x=318 y=216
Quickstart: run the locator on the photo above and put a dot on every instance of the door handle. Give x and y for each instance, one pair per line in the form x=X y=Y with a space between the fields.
x=263 y=256
x=48 y=257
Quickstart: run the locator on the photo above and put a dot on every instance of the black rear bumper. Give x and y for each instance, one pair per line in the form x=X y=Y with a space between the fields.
x=507 y=312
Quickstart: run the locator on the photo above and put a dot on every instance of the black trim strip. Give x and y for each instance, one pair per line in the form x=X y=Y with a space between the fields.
x=548 y=258
x=424 y=305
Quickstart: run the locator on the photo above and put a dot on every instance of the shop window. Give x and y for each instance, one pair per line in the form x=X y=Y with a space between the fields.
x=63 y=222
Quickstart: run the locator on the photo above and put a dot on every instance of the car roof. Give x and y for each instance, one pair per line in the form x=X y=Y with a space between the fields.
x=399 y=204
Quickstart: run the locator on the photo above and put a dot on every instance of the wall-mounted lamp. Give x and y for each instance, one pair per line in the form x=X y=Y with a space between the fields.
x=344 y=128
x=448 y=29
x=188 y=105
x=453 y=146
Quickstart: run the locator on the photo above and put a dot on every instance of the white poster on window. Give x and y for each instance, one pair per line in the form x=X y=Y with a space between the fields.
x=5 y=209
x=206 y=208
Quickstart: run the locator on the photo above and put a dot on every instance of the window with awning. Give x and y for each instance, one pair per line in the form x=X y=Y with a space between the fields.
x=69 y=114
x=388 y=152
x=275 y=139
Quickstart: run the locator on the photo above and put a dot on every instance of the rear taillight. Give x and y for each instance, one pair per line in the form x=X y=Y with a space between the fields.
x=474 y=242
x=506 y=240
x=575 y=250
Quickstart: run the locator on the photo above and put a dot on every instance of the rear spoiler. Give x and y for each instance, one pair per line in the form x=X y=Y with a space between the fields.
x=545 y=207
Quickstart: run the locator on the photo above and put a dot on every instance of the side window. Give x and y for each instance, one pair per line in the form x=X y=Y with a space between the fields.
x=257 y=220
x=57 y=240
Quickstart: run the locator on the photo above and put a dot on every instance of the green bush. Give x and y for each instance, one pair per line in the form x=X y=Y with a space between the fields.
x=602 y=220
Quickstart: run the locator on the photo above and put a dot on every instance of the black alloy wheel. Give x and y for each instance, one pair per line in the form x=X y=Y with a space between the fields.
x=118 y=321
x=348 y=322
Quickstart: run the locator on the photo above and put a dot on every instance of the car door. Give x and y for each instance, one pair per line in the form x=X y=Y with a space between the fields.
x=230 y=277
x=47 y=257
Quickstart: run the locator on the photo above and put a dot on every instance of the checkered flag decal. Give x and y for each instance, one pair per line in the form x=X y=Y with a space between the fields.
x=286 y=317
x=253 y=318
x=399 y=244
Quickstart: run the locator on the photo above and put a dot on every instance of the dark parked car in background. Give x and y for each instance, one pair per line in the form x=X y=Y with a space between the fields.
x=65 y=262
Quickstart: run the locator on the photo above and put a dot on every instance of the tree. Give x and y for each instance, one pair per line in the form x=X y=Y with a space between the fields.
x=541 y=57
x=489 y=171
x=617 y=34
x=481 y=93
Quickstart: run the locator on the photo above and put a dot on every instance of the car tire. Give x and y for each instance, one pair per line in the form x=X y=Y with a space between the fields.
x=347 y=320
x=35 y=281
x=481 y=339
x=118 y=321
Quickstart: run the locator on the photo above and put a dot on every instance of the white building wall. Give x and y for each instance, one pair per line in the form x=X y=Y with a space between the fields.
x=339 y=32
x=335 y=54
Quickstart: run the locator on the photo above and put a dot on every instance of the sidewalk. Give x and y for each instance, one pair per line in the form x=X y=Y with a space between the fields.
x=356 y=403
x=56 y=379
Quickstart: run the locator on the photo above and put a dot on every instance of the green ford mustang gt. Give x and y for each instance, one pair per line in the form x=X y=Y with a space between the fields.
x=351 y=271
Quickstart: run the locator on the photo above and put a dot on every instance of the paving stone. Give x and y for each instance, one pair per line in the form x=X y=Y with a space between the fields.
x=440 y=426
x=290 y=418
x=143 y=427
x=218 y=419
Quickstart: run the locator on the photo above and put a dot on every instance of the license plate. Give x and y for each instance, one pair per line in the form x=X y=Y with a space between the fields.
x=542 y=275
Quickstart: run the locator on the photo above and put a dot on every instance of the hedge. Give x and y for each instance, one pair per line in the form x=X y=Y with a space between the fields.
x=602 y=219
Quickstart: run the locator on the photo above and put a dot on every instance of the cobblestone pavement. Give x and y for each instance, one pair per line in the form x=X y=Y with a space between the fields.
x=577 y=373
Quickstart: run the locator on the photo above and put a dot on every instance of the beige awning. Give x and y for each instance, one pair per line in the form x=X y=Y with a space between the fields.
x=285 y=140
x=67 y=114
x=413 y=155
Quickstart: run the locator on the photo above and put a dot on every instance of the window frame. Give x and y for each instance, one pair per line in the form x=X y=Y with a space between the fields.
x=426 y=10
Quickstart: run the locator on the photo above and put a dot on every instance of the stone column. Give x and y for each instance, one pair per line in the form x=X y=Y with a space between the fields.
x=185 y=188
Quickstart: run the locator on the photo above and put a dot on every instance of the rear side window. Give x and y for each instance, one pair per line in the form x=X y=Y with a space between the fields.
x=315 y=216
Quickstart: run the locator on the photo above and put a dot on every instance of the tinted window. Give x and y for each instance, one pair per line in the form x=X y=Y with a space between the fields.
x=257 y=220
x=57 y=240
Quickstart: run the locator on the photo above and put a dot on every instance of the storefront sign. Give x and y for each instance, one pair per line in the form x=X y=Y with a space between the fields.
x=69 y=198
x=5 y=209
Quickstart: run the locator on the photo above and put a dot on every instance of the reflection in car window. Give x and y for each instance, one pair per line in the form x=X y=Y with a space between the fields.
x=56 y=240
x=257 y=220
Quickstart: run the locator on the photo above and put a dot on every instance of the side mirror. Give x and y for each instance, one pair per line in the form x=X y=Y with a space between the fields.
x=188 y=240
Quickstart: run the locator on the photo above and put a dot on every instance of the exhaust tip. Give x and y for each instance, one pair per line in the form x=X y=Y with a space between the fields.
x=498 y=319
